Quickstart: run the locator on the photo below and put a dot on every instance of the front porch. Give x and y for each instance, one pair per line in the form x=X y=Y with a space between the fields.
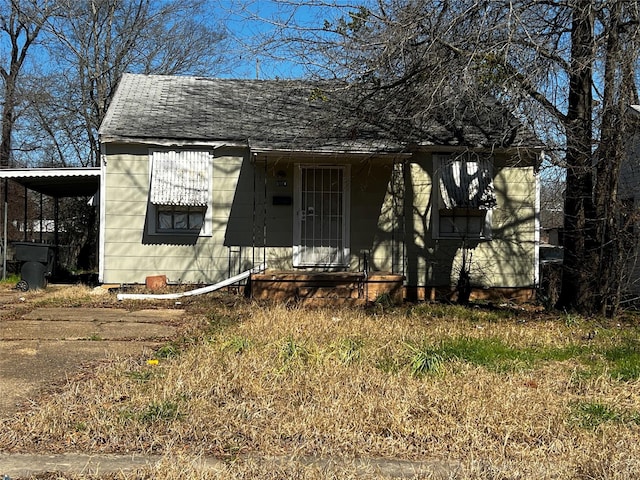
x=327 y=288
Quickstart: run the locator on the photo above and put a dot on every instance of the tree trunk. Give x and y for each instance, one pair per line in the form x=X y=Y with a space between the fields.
x=579 y=237
x=8 y=113
x=609 y=158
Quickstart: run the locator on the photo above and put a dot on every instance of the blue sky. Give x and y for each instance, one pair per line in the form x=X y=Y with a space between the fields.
x=252 y=21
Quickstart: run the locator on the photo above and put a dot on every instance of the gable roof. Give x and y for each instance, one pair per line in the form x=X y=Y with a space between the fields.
x=293 y=115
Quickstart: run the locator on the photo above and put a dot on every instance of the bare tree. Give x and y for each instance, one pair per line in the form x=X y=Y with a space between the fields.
x=549 y=62
x=96 y=41
x=20 y=23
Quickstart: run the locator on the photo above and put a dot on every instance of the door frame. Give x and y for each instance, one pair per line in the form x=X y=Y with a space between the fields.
x=297 y=216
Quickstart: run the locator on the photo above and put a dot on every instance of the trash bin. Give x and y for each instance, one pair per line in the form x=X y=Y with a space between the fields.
x=36 y=264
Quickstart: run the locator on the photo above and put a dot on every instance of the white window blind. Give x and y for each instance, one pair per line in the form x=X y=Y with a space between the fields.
x=180 y=178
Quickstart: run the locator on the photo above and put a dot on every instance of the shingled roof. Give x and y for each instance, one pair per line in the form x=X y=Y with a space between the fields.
x=279 y=115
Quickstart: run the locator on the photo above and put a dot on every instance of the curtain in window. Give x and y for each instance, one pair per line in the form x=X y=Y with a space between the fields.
x=180 y=178
x=466 y=183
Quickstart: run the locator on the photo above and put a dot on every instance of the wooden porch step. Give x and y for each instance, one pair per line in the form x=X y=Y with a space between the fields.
x=330 y=292
x=332 y=302
x=339 y=288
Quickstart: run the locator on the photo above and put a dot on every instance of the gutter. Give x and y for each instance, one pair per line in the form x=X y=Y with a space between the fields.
x=197 y=291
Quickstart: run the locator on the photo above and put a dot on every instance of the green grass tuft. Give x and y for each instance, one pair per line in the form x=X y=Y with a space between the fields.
x=292 y=351
x=161 y=411
x=349 y=350
x=236 y=344
x=168 y=351
x=425 y=361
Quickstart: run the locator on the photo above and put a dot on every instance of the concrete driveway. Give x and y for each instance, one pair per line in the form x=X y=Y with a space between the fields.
x=44 y=346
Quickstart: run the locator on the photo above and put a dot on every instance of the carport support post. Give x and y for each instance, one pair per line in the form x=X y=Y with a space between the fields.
x=4 y=230
x=41 y=222
x=56 y=211
x=26 y=217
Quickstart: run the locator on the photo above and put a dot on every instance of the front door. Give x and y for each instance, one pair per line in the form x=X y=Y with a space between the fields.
x=321 y=230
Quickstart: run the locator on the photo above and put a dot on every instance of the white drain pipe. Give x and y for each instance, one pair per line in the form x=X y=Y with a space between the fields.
x=190 y=293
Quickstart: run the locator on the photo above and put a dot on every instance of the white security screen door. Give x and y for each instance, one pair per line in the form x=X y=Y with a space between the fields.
x=321 y=233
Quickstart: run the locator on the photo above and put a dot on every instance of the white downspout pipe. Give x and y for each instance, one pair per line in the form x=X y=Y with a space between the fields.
x=190 y=293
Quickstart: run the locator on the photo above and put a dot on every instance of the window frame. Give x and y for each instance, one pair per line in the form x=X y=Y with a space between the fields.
x=439 y=213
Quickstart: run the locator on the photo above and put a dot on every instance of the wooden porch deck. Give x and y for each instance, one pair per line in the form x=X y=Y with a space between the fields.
x=326 y=288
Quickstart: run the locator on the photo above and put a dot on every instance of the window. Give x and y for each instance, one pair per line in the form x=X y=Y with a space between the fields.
x=464 y=195
x=172 y=218
x=180 y=192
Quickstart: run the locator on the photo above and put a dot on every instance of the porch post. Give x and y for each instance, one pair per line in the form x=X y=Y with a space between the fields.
x=394 y=220
x=253 y=220
x=404 y=218
x=56 y=211
x=264 y=215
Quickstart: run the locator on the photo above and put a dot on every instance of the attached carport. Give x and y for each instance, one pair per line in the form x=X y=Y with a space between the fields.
x=53 y=182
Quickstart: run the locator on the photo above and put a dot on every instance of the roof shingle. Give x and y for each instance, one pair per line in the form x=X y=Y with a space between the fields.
x=283 y=115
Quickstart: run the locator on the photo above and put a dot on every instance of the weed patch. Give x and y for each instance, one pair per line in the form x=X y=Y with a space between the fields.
x=349 y=350
x=424 y=360
x=165 y=411
x=387 y=362
x=591 y=415
x=291 y=351
x=168 y=351
x=140 y=376
x=236 y=344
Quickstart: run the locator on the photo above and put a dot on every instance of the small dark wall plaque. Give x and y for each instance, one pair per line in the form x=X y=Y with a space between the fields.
x=282 y=200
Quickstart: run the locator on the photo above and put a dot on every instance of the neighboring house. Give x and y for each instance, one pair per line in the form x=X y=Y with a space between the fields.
x=204 y=178
x=629 y=197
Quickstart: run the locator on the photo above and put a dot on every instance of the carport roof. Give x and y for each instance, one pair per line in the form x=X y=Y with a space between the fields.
x=57 y=182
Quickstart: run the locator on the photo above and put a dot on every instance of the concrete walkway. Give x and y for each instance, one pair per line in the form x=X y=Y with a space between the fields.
x=24 y=465
x=46 y=346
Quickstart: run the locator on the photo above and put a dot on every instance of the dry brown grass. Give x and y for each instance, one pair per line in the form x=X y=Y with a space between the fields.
x=279 y=381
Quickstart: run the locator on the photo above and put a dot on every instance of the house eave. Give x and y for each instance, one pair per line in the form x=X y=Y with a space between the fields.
x=172 y=142
x=261 y=154
x=433 y=147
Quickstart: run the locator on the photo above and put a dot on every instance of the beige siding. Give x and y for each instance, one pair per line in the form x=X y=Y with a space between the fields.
x=130 y=255
x=244 y=208
x=505 y=261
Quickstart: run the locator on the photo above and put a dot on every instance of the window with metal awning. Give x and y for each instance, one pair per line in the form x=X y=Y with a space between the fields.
x=180 y=191
x=466 y=196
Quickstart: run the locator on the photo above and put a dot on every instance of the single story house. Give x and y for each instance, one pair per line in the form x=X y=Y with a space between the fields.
x=204 y=178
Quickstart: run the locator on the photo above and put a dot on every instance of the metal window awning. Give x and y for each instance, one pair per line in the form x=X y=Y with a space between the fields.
x=180 y=178
x=466 y=184
x=56 y=182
